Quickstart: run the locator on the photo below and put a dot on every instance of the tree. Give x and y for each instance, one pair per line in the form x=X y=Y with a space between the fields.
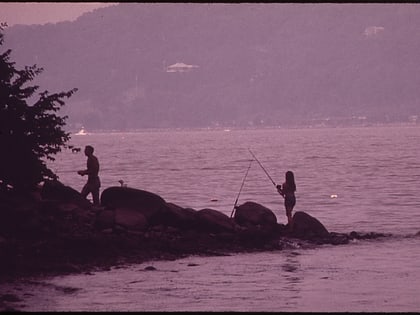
x=29 y=134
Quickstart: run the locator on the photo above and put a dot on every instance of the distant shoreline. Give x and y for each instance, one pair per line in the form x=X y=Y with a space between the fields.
x=230 y=128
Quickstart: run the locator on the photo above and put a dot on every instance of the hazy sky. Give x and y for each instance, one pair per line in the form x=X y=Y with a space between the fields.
x=45 y=12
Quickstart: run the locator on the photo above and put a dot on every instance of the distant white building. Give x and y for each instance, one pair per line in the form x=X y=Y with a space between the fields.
x=373 y=30
x=180 y=67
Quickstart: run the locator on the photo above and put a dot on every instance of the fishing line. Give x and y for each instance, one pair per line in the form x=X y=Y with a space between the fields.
x=265 y=171
x=263 y=168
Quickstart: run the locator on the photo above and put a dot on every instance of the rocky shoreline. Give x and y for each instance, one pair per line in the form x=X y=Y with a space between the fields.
x=56 y=231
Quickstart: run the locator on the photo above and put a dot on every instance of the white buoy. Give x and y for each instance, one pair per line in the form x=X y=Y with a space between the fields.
x=333 y=196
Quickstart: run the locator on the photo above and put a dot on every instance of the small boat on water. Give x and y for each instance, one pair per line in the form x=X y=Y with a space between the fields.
x=81 y=132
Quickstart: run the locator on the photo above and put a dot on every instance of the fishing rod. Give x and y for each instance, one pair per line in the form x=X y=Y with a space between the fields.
x=265 y=172
x=263 y=168
x=243 y=181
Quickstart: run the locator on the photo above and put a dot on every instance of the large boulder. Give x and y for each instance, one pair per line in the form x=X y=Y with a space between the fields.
x=105 y=219
x=150 y=205
x=210 y=220
x=252 y=214
x=130 y=219
x=176 y=216
x=55 y=190
x=307 y=227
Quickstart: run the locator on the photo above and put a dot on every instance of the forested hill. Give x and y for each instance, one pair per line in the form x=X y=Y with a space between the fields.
x=163 y=65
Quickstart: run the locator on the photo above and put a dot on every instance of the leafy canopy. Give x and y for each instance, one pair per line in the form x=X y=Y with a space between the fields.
x=29 y=134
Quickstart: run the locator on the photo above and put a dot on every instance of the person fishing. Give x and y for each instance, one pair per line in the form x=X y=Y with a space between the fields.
x=93 y=183
x=287 y=190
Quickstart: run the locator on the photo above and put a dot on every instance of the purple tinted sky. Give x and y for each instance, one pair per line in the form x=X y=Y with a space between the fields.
x=45 y=12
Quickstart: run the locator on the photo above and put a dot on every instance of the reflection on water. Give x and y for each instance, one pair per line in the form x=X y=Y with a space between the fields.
x=291 y=270
x=292 y=276
x=365 y=276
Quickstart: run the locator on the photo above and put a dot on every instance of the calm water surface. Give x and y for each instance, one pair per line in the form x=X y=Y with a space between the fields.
x=374 y=173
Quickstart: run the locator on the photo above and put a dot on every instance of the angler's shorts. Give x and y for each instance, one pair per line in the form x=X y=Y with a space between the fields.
x=289 y=202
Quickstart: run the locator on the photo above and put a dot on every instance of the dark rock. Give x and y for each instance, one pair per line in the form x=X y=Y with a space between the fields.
x=150 y=268
x=55 y=190
x=184 y=218
x=253 y=214
x=58 y=235
x=105 y=219
x=130 y=219
x=308 y=227
x=214 y=221
x=148 y=204
x=338 y=238
x=364 y=236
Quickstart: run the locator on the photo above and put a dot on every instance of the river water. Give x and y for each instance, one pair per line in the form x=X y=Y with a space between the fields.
x=351 y=179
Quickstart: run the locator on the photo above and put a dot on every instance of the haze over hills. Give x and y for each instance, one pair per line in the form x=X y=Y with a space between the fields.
x=162 y=65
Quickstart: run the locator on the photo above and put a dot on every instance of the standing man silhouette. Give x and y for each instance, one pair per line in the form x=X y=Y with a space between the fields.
x=93 y=183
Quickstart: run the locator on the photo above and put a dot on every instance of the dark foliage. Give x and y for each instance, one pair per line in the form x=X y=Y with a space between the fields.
x=29 y=134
